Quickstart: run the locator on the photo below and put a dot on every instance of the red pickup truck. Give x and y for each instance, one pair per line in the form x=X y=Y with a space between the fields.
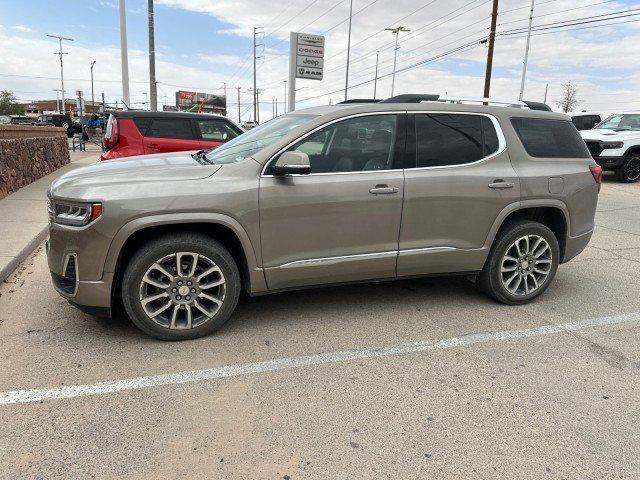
x=139 y=132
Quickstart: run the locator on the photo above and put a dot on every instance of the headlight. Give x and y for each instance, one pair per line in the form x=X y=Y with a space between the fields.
x=612 y=145
x=77 y=214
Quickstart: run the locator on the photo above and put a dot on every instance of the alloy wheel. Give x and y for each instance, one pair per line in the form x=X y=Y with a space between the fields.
x=526 y=265
x=632 y=169
x=182 y=290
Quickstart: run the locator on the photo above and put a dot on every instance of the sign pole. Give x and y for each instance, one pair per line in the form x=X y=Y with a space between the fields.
x=293 y=50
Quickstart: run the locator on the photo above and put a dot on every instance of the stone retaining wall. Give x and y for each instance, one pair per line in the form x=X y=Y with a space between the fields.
x=28 y=153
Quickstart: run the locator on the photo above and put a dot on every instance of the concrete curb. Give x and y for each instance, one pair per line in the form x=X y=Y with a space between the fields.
x=13 y=264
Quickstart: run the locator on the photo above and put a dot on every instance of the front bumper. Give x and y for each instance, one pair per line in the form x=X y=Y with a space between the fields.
x=609 y=163
x=76 y=260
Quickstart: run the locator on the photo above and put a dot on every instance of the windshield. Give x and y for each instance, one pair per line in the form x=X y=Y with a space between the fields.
x=630 y=121
x=254 y=140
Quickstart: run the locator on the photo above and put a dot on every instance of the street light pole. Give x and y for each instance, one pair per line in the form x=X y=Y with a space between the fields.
x=93 y=103
x=395 y=31
x=346 y=79
x=124 y=56
x=60 y=53
x=526 y=53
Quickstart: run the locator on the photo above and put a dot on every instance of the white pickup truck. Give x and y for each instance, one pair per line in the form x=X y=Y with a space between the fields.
x=615 y=145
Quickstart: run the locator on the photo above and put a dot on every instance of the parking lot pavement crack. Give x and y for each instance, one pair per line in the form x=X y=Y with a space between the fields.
x=618 y=230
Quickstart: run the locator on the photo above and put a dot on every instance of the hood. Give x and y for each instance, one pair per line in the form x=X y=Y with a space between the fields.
x=607 y=135
x=131 y=170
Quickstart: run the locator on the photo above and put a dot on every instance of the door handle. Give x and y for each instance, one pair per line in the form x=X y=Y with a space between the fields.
x=499 y=183
x=383 y=190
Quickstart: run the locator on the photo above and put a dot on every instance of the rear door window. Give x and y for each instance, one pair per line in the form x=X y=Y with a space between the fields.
x=171 y=128
x=215 y=130
x=547 y=138
x=453 y=139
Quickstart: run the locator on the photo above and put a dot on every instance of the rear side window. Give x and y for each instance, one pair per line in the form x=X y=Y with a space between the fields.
x=142 y=124
x=453 y=139
x=216 y=130
x=170 y=128
x=545 y=138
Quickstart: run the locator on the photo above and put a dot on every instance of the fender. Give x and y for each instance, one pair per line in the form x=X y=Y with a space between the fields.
x=521 y=205
x=255 y=270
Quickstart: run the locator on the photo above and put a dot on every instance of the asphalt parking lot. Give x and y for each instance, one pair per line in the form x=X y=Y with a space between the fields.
x=412 y=379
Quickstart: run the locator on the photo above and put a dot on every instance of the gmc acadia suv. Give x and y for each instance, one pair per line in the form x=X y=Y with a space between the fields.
x=326 y=195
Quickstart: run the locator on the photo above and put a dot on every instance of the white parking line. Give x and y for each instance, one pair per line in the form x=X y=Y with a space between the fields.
x=26 y=396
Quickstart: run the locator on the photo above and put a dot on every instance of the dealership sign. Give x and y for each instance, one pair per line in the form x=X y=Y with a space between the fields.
x=309 y=55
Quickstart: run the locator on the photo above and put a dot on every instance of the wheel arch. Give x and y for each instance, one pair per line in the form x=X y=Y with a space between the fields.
x=221 y=228
x=551 y=213
x=635 y=149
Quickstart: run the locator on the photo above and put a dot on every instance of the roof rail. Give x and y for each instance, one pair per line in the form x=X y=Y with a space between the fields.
x=412 y=98
x=417 y=98
x=359 y=100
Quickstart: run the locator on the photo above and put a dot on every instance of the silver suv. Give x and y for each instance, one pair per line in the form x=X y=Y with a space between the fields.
x=410 y=186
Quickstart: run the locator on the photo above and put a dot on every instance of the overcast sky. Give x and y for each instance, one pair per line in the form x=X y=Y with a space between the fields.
x=203 y=43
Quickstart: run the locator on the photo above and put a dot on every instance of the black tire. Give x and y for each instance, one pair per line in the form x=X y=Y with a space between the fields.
x=150 y=253
x=629 y=172
x=490 y=279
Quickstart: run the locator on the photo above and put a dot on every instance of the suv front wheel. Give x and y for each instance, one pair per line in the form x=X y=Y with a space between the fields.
x=181 y=286
x=521 y=264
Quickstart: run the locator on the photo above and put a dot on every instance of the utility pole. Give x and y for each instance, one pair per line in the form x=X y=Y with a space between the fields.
x=526 y=53
x=492 y=40
x=124 y=56
x=146 y=100
x=256 y=118
x=238 y=88
x=346 y=79
x=153 y=87
x=285 y=97
x=93 y=103
x=276 y=107
x=396 y=31
x=224 y=88
x=375 y=80
x=60 y=53
x=546 y=89
x=103 y=106
x=255 y=89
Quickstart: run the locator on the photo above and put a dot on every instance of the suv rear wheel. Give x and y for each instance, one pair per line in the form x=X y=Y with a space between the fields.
x=629 y=172
x=521 y=264
x=181 y=286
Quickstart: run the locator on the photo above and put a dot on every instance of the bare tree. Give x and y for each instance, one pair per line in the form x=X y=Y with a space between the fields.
x=569 y=99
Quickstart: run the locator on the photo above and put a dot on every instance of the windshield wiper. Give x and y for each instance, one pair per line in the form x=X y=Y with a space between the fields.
x=200 y=157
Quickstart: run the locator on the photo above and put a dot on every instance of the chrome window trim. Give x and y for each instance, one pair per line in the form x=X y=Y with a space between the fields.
x=355 y=115
x=502 y=141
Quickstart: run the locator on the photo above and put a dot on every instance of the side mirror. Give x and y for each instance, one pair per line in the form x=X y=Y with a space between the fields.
x=290 y=163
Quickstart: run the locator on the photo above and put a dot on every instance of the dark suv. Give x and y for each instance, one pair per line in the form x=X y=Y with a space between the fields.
x=133 y=132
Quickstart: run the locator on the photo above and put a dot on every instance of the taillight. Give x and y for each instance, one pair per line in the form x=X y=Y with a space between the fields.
x=111 y=134
x=596 y=171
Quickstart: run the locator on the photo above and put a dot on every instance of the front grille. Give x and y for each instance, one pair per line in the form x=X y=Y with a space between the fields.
x=67 y=282
x=594 y=148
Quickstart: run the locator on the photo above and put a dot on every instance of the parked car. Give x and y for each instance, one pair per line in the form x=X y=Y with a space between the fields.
x=57 y=120
x=615 y=145
x=327 y=195
x=136 y=132
x=21 y=120
x=586 y=120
